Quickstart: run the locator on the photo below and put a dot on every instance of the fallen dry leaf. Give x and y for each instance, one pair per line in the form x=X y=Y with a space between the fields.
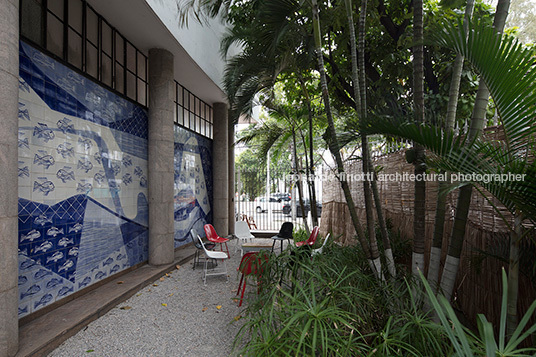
x=162 y=279
x=218 y=307
x=120 y=282
x=204 y=309
x=126 y=307
x=164 y=304
x=167 y=274
x=236 y=318
x=177 y=266
x=170 y=294
x=155 y=284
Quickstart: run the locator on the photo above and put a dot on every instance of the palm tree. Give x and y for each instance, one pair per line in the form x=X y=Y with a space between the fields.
x=333 y=143
x=464 y=197
x=506 y=67
x=360 y=99
x=419 y=203
x=437 y=243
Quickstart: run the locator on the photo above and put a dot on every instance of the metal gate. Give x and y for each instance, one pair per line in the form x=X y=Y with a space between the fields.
x=267 y=198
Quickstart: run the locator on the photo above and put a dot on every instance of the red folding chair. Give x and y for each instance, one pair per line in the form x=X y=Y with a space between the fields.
x=251 y=263
x=215 y=238
x=312 y=239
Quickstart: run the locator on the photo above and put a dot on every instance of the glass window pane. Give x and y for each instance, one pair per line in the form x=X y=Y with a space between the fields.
x=141 y=66
x=141 y=92
x=131 y=57
x=106 y=70
x=31 y=21
x=74 y=51
x=131 y=85
x=54 y=35
x=92 y=26
x=205 y=111
x=106 y=38
x=75 y=15
x=56 y=6
x=119 y=78
x=179 y=94
x=91 y=57
x=119 y=48
x=180 y=116
x=191 y=102
x=198 y=124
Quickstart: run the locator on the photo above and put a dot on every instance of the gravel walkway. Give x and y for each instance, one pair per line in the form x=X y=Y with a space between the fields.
x=175 y=316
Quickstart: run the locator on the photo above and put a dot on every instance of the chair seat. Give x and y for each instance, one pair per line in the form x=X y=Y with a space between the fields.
x=281 y=238
x=218 y=240
x=217 y=255
x=299 y=244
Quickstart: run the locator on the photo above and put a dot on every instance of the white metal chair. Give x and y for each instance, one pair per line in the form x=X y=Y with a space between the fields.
x=214 y=256
x=199 y=248
x=319 y=250
x=242 y=234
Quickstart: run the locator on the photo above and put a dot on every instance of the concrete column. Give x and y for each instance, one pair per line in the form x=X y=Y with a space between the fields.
x=220 y=168
x=9 y=98
x=232 y=189
x=160 y=164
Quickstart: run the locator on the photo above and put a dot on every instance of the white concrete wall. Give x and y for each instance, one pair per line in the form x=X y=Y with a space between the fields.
x=201 y=42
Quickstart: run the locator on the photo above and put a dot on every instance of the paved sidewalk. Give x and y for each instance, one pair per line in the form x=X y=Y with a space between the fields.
x=151 y=311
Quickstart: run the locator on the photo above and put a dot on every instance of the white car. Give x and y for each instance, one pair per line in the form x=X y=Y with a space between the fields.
x=262 y=205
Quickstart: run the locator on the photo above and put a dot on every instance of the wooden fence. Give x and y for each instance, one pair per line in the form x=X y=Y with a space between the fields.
x=478 y=286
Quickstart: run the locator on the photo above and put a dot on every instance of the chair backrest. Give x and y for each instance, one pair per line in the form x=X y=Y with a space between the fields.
x=286 y=230
x=325 y=240
x=242 y=229
x=193 y=235
x=252 y=263
x=200 y=241
x=313 y=236
x=210 y=231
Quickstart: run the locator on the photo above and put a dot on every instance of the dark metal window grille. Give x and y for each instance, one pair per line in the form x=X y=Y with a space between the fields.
x=192 y=113
x=72 y=31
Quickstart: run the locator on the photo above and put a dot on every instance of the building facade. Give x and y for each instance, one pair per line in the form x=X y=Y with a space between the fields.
x=114 y=119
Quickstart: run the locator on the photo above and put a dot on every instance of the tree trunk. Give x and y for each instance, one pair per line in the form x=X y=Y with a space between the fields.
x=333 y=143
x=388 y=251
x=419 y=210
x=513 y=276
x=310 y=167
x=464 y=199
x=361 y=80
x=360 y=99
x=298 y=183
x=441 y=206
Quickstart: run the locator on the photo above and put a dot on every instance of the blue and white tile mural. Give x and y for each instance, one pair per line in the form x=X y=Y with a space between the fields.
x=193 y=184
x=83 y=212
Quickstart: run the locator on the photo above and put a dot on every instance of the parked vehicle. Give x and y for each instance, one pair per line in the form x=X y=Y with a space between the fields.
x=307 y=205
x=262 y=204
x=283 y=196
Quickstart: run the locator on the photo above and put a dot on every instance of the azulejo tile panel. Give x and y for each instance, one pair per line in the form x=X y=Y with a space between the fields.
x=193 y=184
x=83 y=211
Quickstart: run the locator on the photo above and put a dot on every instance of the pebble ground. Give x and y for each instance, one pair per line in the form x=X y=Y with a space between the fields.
x=175 y=316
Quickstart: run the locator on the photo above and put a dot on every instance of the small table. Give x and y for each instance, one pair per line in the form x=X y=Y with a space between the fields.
x=256 y=246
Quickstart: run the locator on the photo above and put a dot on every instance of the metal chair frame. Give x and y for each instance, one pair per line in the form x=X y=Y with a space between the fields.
x=214 y=256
